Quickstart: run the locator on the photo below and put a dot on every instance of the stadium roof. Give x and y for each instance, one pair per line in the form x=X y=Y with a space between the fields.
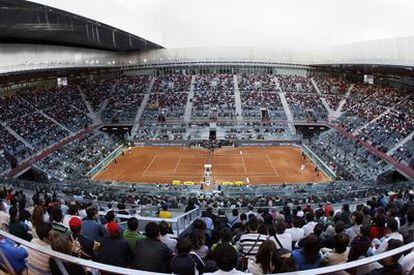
x=280 y=24
x=31 y=23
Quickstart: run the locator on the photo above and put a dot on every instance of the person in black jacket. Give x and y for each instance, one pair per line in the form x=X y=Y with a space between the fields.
x=151 y=254
x=115 y=250
x=186 y=262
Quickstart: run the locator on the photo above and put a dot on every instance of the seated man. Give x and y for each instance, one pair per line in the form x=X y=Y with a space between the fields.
x=226 y=258
x=151 y=254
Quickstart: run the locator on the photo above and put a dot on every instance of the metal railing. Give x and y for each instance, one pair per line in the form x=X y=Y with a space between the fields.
x=97 y=267
x=179 y=224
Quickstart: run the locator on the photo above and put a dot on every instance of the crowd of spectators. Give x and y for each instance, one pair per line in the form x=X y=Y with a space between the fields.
x=97 y=92
x=126 y=99
x=256 y=82
x=78 y=157
x=272 y=237
x=295 y=84
x=342 y=152
x=306 y=106
x=160 y=132
x=253 y=101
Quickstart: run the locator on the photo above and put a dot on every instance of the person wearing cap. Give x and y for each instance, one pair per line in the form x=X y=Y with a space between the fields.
x=114 y=250
x=83 y=246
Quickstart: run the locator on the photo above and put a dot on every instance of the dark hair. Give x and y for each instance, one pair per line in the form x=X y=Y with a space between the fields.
x=339 y=227
x=365 y=230
x=164 y=207
x=297 y=222
x=392 y=225
x=90 y=212
x=280 y=227
x=132 y=224
x=341 y=243
x=60 y=242
x=37 y=216
x=284 y=261
x=42 y=230
x=309 y=216
x=266 y=256
x=253 y=224
x=225 y=256
x=311 y=249
x=110 y=216
x=379 y=220
x=225 y=235
x=151 y=230
x=184 y=246
x=13 y=212
x=56 y=214
x=199 y=224
x=164 y=228
x=235 y=212
x=73 y=208
x=393 y=244
x=197 y=238
x=358 y=217
x=243 y=217
x=318 y=229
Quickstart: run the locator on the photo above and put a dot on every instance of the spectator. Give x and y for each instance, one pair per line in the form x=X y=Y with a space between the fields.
x=164 y=231
x=378 y=229
x=151 y=254
x=360 y=244
x=279 y=236
x=309 y=257
x=91 y=227
x=265 y=259
x=38 y=217
x=73 y=211
x=185 y=262
x=392 y=234
x=18 y=228
x=226 y=258
x=57 y=217
x=165 y=214
x=61 y=243
x=114 y=250
x=284 y=261
x=234 y=219
x=199 y=243
x=310 y=224
x=131 y=234
x=356 y=220
x=390 y=264
x=407 y=230
x=338 y=255
x=249 y=243
x=4 y=217
x=38 y=263
x=296 y=231
x=82 y=246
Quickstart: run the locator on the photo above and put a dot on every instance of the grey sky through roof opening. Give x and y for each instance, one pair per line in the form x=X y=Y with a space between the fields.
x=290 y=24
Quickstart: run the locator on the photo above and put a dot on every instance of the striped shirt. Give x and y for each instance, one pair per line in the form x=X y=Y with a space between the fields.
x=249 y=244
x=38 y=263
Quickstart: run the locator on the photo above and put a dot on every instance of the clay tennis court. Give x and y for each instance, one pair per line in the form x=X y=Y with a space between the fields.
x=252 y=165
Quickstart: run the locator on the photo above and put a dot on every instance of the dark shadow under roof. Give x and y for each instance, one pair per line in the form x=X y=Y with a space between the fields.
x=26 y=22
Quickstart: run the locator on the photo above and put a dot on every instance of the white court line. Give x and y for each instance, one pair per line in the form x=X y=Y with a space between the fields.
x=153 y=158
x=178 y=162
x=271 y=164
x=244 y=166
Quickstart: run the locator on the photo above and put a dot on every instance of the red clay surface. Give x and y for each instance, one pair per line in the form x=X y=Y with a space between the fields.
x=254 y=165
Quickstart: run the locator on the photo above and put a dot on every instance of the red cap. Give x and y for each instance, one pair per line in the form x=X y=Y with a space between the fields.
x=112 y=227
x=75 y=222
